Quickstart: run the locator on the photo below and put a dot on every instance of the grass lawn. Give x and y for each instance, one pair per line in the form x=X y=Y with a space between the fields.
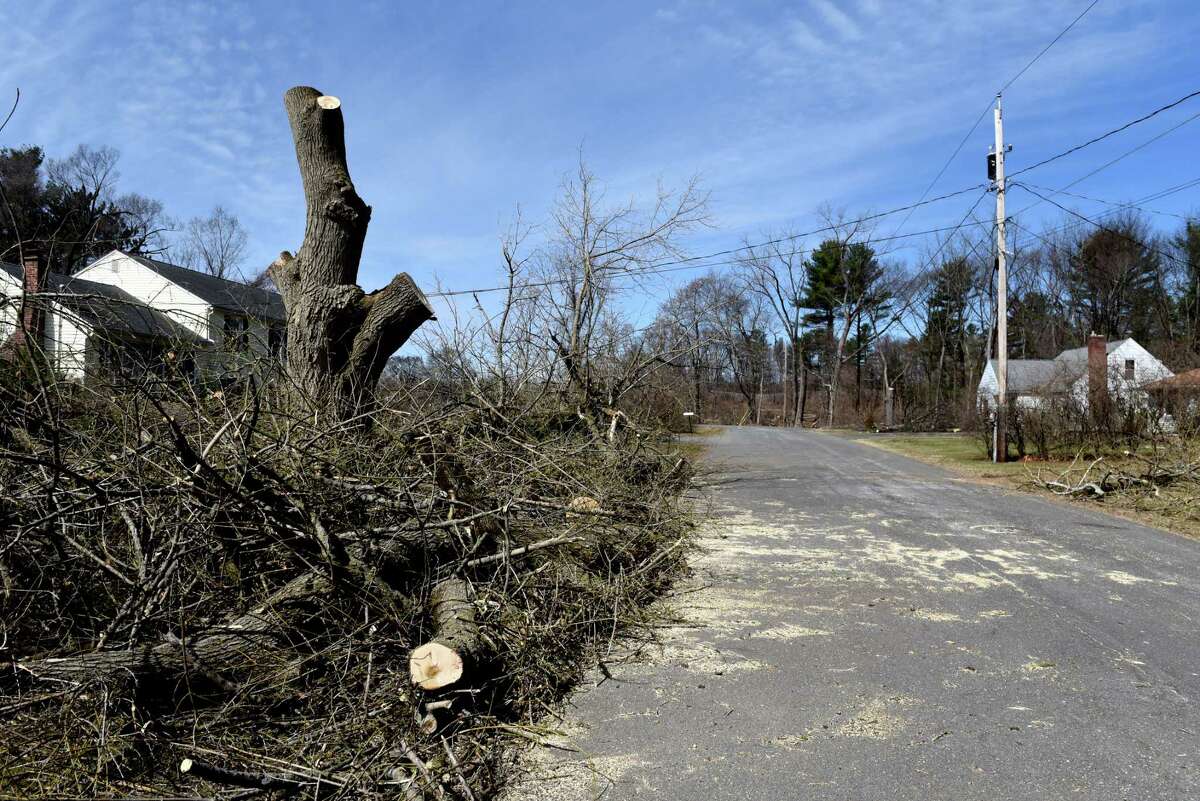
x=1172 y=509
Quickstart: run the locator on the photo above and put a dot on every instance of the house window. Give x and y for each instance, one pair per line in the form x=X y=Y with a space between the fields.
x=235 y=330
x=276 y=340
x=1129 y=369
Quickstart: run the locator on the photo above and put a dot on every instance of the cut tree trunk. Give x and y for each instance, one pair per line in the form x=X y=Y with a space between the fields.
x=339 y=337
x=444 y=660
x=240 y=643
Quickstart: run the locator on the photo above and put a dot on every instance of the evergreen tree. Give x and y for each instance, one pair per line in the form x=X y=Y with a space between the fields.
x=68 y=208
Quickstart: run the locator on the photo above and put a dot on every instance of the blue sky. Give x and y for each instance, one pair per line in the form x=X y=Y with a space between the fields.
x=459 y=112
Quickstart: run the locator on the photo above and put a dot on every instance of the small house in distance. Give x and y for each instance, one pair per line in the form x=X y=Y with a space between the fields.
x=1178 y=396
x=123 y=313
x=83 y=326
x=1123 y=366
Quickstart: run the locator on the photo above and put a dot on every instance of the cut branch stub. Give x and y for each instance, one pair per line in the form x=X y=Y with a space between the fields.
x=433 y=666
x=339 y=337
x=443 y=661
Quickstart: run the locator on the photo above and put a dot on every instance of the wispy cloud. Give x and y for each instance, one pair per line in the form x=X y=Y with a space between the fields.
x=454 y=117
x=837 y=19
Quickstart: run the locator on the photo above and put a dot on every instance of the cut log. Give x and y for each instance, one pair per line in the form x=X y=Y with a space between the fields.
x=443 y=661
x=240 y=643
x=433 y=666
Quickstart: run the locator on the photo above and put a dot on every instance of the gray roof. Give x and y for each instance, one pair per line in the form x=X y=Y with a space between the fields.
x=1038 y=376
x=1028 y=375
x=110 y=308
x=1075 y=360
x=261 y=304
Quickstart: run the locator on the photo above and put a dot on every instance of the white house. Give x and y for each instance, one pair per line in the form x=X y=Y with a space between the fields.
x=1123 y=366
x=123 y=311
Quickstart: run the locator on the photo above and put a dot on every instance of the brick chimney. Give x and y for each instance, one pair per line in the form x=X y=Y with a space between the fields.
x=32 y=326
x=1097 y=375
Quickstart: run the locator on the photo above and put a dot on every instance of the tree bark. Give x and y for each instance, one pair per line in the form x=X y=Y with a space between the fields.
x=803 y=393
x=339 y=337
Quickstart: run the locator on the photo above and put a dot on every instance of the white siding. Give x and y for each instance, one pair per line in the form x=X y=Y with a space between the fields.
x=117 y=269
x=1146 y=368
x=989 y=388
x=213 y=363
x=66 y=339
x=67 y=342
x=10 y=301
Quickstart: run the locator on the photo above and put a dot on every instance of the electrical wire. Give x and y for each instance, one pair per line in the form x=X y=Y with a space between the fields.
x=704 y=260
x=653 y=268
x=1115 y=131
x=1111 y=162
x=1121 y=204
x=1123 y=235
x=988 y=107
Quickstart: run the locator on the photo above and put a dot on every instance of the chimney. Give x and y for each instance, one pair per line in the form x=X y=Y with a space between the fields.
x=1097 y=375
x=33 y=318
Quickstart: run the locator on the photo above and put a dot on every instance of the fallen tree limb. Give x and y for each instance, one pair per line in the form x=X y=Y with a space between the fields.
x=443 y=660
x=523 y=550
x=242 y=641
x=237 y=778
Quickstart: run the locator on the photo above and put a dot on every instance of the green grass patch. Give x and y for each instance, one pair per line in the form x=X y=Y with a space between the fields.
x=960 y=452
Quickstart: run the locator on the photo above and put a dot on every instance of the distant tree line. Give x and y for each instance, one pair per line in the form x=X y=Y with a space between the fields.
x=836 y=331
x=72 y=210
x=844 y=325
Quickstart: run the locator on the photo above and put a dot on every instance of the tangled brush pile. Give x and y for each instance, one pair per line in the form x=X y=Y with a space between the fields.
x=229 y=597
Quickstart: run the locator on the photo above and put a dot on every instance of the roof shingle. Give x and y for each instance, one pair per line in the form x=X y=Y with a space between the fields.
x=110 y=308
x=261 y=304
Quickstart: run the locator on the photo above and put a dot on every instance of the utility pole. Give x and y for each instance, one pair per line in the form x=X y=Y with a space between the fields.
x=996 y=172
x=783 y=381
x=758 y=411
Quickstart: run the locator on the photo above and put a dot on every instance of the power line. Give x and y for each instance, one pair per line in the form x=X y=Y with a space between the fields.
x=1113 y=132
x=1053 y=42
x=1112 y=162
x=1121 y=204
x=702 y=261
x=988 y=107
x=896 y=317
x=1102 y=227
x=1170 y=191
x=1153 y=196
x=690 y=260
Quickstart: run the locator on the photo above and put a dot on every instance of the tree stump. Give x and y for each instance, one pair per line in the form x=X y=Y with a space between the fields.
x=339 y=337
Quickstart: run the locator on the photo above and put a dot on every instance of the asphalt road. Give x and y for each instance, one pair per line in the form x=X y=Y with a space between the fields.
x=863 y=626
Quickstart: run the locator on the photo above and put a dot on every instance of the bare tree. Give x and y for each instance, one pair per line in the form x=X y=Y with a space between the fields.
x=91 y=169
x=339 y=337
x=215 y=244
x=687 y=319
x=738 y=321
x=593 y=246
x=775 y=272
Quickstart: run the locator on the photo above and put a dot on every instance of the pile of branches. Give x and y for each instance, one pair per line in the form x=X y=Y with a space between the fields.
x=1133 y=472
x=226 y=596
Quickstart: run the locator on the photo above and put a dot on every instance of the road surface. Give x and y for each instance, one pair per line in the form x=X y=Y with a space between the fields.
x=863 y=626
